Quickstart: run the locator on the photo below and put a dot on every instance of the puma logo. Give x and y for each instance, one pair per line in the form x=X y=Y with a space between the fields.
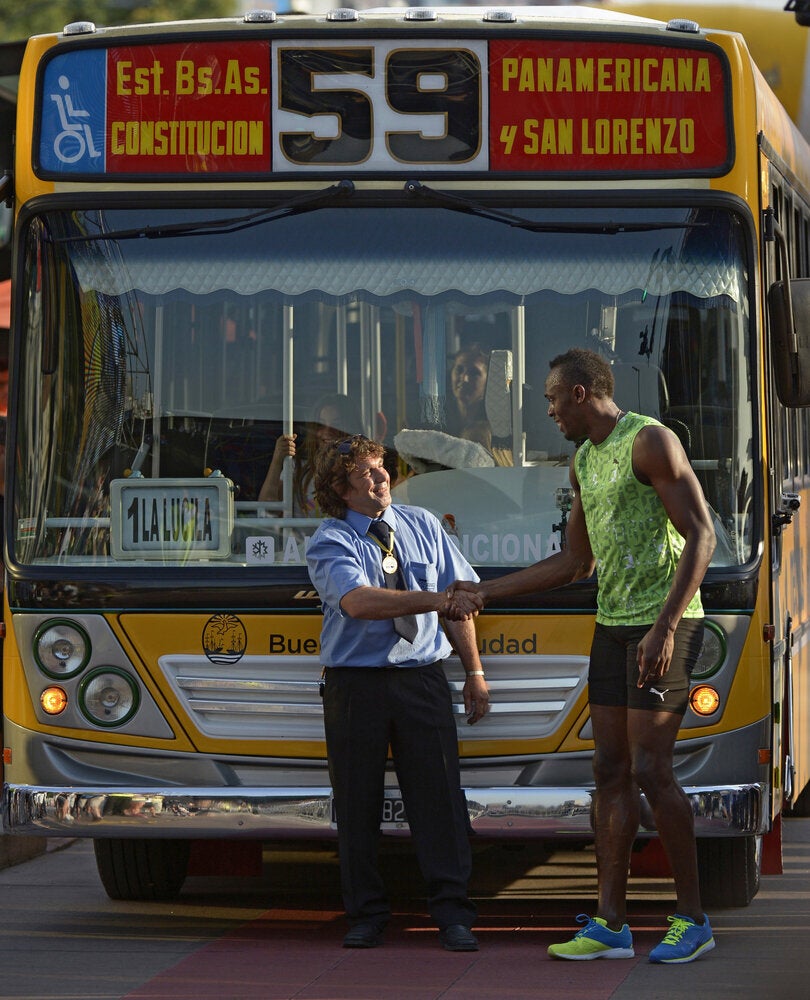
x=659 y=693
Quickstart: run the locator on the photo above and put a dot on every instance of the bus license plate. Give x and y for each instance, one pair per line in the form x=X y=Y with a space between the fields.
x=393 y=812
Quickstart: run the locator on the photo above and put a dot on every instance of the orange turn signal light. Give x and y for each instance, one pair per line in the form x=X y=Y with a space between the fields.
x=704 y=700
x=53 y=700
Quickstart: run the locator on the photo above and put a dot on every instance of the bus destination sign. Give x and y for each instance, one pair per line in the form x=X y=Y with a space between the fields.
x=171 y=518
x=258 y=109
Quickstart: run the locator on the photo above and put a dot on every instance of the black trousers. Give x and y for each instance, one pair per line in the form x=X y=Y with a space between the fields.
x=410 y=708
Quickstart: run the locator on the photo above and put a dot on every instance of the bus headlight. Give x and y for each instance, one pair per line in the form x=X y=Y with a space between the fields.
x=61 y=649
x=108 y=696
x=704 y=700
x=712 y=653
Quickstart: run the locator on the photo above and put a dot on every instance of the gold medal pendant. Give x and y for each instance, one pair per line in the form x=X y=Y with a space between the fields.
x=389 y=564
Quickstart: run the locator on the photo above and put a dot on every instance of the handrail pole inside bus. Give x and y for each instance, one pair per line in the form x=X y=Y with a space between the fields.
x=341 y=359
x=365 y=363
x=287 y=406
x=518 y=381
x=375 y=357
x=157 y=391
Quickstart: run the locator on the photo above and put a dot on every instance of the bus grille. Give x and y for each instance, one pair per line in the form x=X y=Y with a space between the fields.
x=278 y=698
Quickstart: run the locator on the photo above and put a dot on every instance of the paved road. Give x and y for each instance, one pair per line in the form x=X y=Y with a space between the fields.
x=278 y=937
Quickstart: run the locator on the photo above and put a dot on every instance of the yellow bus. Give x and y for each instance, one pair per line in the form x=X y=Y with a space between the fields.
x=221 y=224
x=779 y=43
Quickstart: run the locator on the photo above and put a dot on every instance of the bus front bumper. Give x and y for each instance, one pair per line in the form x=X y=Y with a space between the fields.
x=302 y=813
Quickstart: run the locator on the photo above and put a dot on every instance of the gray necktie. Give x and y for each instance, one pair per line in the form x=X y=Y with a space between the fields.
x=406 y=625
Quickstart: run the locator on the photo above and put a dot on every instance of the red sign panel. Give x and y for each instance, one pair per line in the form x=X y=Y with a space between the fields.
x=361 y=105
x=595 y=107
x=188 y=108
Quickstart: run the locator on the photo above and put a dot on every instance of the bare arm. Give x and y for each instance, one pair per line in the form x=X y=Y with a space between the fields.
x=660 y=461
x=574 y=562
x=476 y=692
x=271 y=487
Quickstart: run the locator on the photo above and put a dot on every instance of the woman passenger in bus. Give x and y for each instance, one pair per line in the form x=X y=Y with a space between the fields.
x=466 y=414
x=466 y=440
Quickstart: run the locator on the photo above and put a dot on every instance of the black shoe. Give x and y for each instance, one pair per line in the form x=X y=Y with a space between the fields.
x=457 y=937
x=363 y=936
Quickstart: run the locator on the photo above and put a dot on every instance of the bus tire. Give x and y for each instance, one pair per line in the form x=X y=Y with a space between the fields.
x=729 y=870
x=142 y=869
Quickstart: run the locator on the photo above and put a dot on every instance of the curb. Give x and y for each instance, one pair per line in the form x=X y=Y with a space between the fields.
x=15 y=850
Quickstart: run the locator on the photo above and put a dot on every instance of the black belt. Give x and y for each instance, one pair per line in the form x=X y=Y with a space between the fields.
x=387 y=666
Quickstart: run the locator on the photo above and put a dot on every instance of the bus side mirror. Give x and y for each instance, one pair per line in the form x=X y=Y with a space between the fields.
x=789 y=312
x=801 y=11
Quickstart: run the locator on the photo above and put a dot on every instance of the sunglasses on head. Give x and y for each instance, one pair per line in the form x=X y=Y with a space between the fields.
x=345 y=447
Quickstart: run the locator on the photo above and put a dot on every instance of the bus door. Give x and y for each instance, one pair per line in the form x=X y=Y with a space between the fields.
x=788 y=556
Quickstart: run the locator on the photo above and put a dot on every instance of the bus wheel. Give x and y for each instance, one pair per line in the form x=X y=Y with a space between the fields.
x=729 y=869
x=142 y=869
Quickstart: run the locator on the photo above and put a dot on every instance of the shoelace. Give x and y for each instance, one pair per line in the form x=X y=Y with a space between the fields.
x=678 y=928
x=590 y=923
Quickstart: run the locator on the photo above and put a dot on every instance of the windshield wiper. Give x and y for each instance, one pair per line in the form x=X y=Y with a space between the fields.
x=456 y=204
x=308 y=202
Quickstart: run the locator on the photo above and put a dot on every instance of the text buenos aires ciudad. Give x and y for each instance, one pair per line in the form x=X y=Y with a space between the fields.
x=617 y=134
x=499 y=644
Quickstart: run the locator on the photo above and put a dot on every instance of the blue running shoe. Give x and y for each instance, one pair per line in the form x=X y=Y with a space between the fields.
x=684 y=941
x=595 y=940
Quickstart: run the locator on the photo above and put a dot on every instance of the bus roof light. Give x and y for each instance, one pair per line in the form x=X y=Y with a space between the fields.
x=683 y=24
x=79 y=28
x=508 y=16
x=260 y=17
x=343 y=14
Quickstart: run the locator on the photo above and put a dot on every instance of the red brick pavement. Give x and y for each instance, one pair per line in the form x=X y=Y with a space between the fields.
x=288 y=954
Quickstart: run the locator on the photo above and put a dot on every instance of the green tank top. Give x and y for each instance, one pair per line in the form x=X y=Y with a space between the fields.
x=635 y=545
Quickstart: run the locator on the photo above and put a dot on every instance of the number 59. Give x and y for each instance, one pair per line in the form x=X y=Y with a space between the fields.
x=379 y=106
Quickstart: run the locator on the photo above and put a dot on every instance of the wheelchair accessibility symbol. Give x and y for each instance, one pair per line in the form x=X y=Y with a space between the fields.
x=75 y=139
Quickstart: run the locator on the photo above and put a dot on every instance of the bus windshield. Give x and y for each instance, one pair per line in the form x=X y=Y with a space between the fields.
x=164 y=351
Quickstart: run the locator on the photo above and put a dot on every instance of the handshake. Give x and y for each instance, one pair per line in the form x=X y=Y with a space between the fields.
x=463 y=601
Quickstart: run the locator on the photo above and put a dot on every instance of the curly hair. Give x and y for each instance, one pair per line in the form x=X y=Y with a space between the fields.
x=348 y=422
x=579 y=366
x=333 y=466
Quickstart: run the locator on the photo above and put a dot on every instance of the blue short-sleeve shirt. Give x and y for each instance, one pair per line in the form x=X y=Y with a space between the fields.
x=342 y=557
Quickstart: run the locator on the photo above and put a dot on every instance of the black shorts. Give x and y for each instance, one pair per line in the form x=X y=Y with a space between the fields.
x=613 y=670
